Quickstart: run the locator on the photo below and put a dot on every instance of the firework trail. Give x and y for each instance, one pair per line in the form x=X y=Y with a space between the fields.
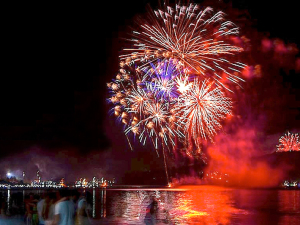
x=201 y=41
x=288 y=142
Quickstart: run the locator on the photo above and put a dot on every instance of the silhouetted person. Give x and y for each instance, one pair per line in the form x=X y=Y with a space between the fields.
x=83 y=209
x=74 y=198
x=151 y=212
x=30 y=204
x=35 y=217
x=48 y=209
x=64 y=210
x=42 y=207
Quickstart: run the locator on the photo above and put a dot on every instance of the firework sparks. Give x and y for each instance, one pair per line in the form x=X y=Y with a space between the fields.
x=161 y=80
x=288 y=142
x=144 y=102
x=200 y=40
x=168 y=89
x=153 y=123
x=183 y=84
x=202 y=108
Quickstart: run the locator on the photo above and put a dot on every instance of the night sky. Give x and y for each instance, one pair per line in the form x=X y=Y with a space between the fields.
x=57 y=61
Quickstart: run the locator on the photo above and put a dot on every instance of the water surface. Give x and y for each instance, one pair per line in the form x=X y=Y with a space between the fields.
x=206 y=205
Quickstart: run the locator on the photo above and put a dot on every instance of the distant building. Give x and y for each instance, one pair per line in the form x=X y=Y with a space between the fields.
x=38 y=176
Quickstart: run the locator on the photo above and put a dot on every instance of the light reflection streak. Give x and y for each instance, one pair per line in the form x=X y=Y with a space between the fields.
x=8 y=202
x=94 y=203
x=23 y=199
x=103 y=202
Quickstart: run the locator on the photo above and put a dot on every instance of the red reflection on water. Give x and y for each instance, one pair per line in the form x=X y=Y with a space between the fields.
x=289 y=204
x=289 y=201
x=204 y=205
x=289 y=220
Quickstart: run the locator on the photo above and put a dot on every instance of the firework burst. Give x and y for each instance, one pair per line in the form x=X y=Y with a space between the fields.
x=145 y=103
x=154 y=124
x=168 y=89
x=161 y=80
x=201 y=41
x=202 y=108
x=288 y=142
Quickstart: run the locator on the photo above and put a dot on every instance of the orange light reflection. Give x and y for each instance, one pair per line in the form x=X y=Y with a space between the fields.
x=204 y=205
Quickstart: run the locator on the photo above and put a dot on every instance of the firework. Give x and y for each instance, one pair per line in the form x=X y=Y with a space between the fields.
x=159 y=94
x=144 y=102
x=288 y=142
x=152 y=122
x=202 y=108
x=201 y=41
x=161 y=80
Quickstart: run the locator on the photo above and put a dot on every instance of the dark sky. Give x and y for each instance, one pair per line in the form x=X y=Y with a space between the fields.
x=58 y=58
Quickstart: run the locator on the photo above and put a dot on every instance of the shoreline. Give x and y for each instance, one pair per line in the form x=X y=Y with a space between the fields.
x=153 y=187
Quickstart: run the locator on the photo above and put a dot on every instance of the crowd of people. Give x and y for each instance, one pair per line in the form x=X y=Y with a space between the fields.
x=63 y=207
x=60 y=207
